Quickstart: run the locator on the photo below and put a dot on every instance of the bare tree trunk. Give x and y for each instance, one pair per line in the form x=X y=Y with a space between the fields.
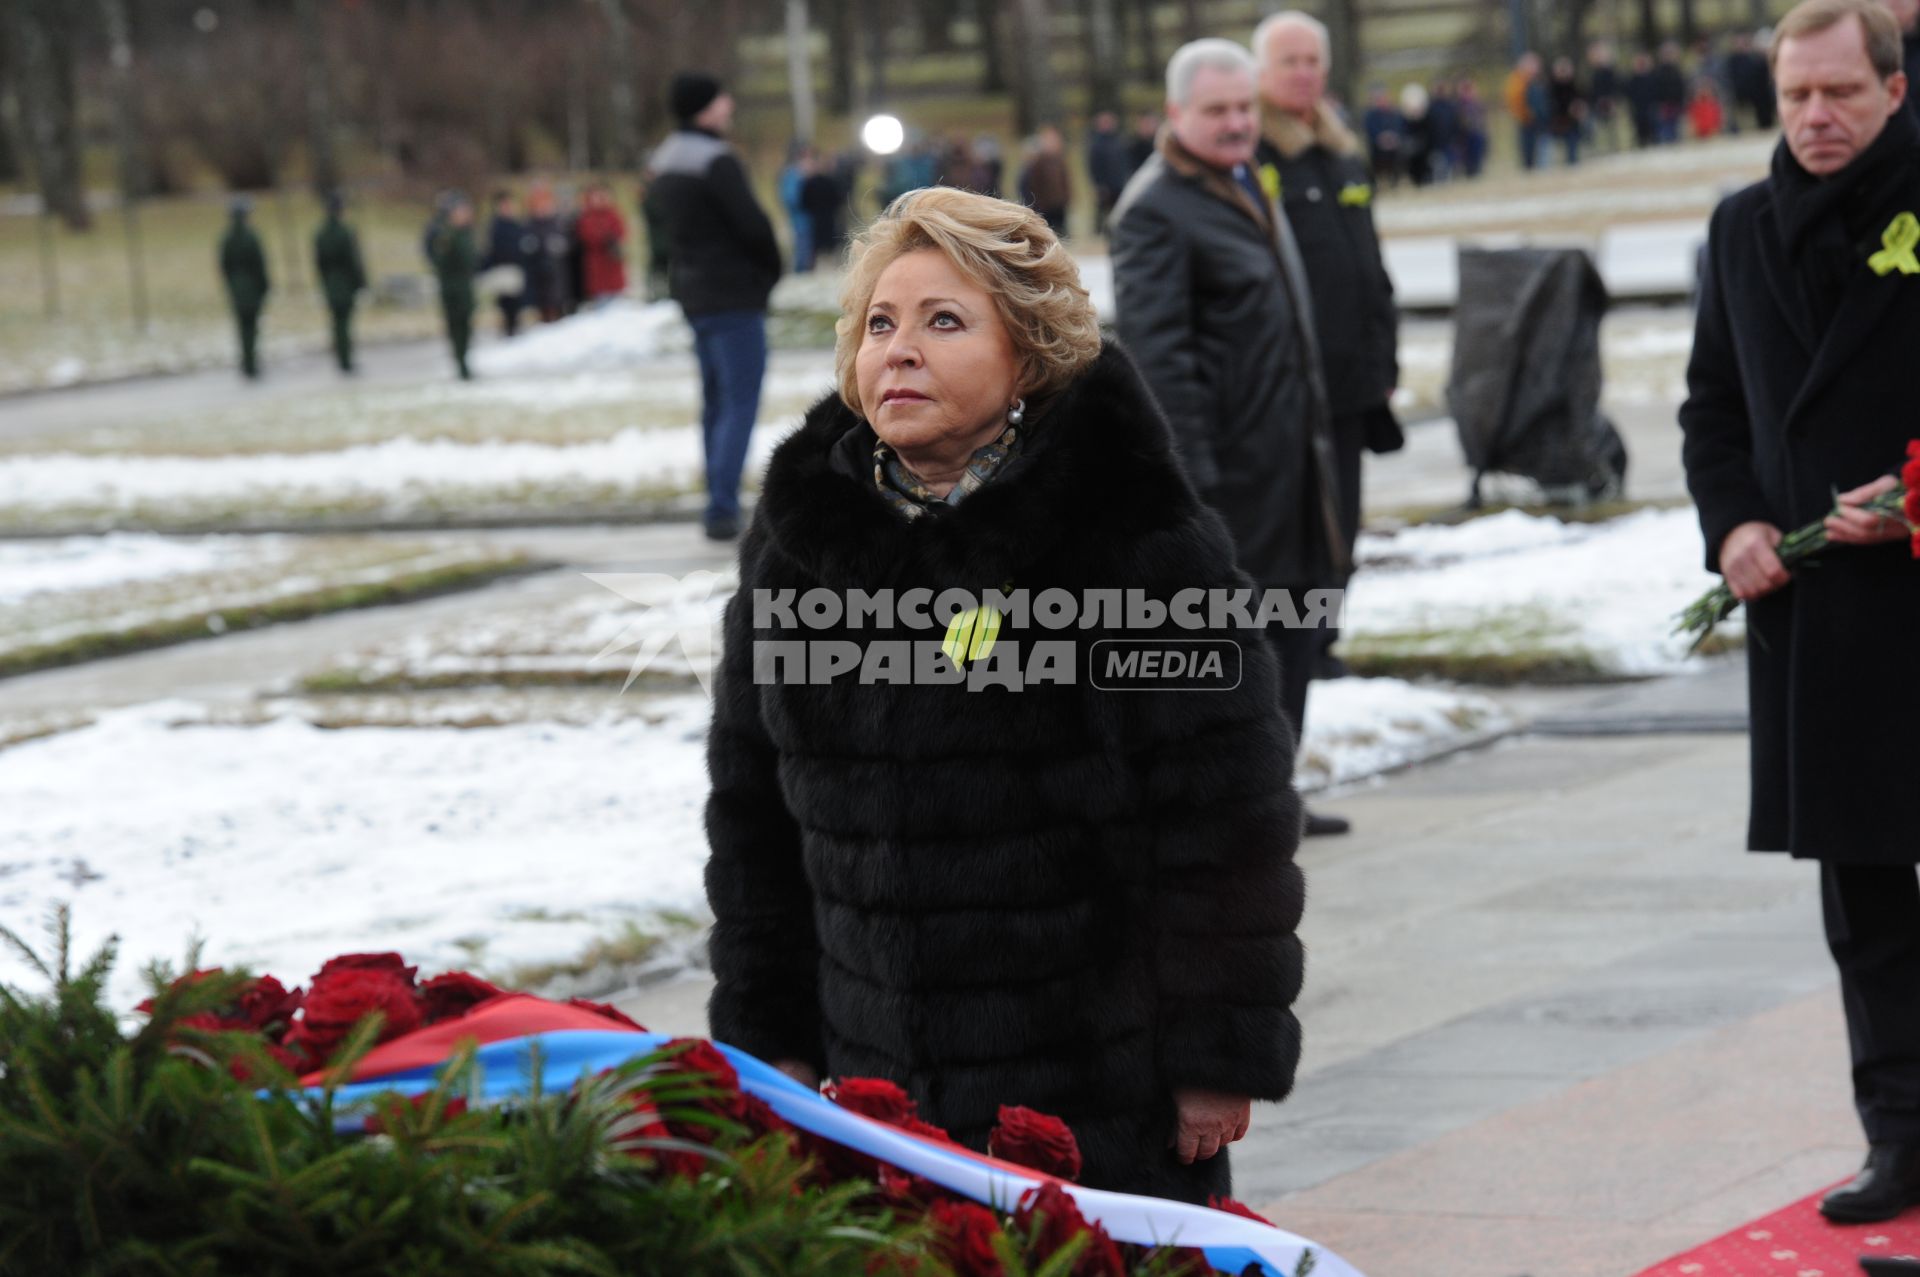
x=623 y=95
x=1343 y=33
x=876 y=19
x=41 y=44
x=132 y=177
x=1037 y=94
x=1573 y=32
x=842 y=41
x=1689 y=22
x=1104 y=59
x=1153 y=68
x=314 y=70
x=993 y=47
x=579 y=153
x=800 y=69
x=1649 y=25
x=936 y=25
x=1192 y=26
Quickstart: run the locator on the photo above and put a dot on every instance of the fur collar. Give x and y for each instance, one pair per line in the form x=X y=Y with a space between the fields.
x=1096 y=468
x=1185 y=164
x=1293 y=136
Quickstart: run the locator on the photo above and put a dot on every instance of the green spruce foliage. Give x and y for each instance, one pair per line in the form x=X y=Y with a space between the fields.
x=165 y=1146
x=142 y=1153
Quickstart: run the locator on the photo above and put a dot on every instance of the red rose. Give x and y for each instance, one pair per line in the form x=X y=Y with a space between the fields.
x=873 y=1097
x=450 y=996
x=758 y=1116
x=1910 y=504
x=925 y=1130
x=268 y=1006
x=909 y=1189
x=610 y=1012
x=697 y=1055
x=1049 y=1216
x=145 y=1006
x=1232 y=1207
x=963 y=1234
x=1036 y=1140
x=393 y=1106
x=343 y=997
x=392 y=962
x=205 y=1022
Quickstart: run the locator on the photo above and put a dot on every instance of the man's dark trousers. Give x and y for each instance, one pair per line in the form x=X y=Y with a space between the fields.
x=248 y=318
x=732 y=349
x=1873 y=930
x=1299 y=650
x=343 y=335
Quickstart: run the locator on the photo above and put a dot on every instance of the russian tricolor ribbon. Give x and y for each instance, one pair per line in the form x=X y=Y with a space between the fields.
x=517 y=1032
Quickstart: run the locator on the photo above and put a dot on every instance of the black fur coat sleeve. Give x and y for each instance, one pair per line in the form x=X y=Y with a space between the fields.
x=763 y=949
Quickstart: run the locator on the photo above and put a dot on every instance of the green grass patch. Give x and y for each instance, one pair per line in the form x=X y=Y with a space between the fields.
x=1506 y=648
x=402 y=588
x=628 y=947
x=357 y=682
x=1589 y=512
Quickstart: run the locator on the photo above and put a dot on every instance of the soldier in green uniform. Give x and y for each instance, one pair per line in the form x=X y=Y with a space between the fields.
x=337 y=262
x=244 y=267
x=454 y=262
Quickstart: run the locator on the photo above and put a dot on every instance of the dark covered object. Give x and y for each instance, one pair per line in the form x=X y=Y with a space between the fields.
x=1525 y=387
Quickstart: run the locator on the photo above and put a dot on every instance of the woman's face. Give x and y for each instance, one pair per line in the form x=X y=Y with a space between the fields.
x=936 y=368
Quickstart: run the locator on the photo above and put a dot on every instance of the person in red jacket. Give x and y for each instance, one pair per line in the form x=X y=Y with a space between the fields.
x=603 y=233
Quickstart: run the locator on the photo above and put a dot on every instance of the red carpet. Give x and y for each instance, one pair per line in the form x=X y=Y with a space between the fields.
x=1794 y=1242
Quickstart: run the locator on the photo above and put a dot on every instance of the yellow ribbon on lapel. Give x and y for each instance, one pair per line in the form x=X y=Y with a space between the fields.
x=970 y=634
x=1356 y=195
x=1270 y=181
x=1901 y=237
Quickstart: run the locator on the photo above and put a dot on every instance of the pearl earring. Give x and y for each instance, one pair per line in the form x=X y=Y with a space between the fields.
x=1017 y=413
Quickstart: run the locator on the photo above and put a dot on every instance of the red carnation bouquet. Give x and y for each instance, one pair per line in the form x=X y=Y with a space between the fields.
x=1900 y=502
x=304 y=1030
x=689 y=1115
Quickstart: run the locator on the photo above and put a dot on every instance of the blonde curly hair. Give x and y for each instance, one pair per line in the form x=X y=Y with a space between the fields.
x=1005 y=249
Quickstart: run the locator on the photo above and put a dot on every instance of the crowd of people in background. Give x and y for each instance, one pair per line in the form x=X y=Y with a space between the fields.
x=1561 y=110
x=545 y=254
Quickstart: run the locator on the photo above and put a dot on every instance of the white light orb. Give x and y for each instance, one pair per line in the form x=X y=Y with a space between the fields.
x=883 y=134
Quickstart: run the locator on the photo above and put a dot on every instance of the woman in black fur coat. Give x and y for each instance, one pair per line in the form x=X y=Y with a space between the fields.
x=996 y=889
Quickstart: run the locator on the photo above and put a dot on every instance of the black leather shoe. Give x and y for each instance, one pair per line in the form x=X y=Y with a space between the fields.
x=1318 y=826
x=1885 y=1186
x=722 y=529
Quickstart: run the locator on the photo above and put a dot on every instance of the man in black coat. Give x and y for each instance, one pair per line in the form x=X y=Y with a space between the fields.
x=1213 y=304
x=243 y=267
x=1801 y=386
x=1315 y=167
x=723 y=264
x=509 y=243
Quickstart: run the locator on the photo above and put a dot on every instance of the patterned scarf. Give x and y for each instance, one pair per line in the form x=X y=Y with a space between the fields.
x=909 y=498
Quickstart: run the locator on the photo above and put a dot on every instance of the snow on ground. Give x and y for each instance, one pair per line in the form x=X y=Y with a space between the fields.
x=617 y=334
x=399 y=474
x=66 y=564
x=624 y=332
x=1360 y=727
x=1513 y=581
x=284 y=844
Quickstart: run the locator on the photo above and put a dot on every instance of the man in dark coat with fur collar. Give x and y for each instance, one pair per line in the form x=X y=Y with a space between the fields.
x=1213 y=303
x=1801 y=386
